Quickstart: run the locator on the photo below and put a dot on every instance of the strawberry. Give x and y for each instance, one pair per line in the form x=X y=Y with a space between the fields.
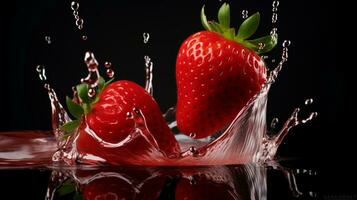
x=109 y=133
x=218 y=72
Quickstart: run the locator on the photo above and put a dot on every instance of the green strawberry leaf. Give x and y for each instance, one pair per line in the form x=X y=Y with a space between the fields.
x=264 y=44
x=108 y=82
x=246 y=30
x=75 y=109
x=204 y=20
x=101 y=84
x=215 y=27
x=70 y=126
x=82 y=90
x=224 y=16
x=248 y=27
x=87 y=107
x=229 y=33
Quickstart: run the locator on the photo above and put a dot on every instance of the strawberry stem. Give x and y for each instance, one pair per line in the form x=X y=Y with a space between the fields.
x=245 y=31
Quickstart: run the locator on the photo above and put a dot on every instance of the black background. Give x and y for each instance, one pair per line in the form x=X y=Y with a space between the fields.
x=114 y=30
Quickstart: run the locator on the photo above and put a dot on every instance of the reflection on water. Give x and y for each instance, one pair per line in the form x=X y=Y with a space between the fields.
x=236 y=182
x=241 y=182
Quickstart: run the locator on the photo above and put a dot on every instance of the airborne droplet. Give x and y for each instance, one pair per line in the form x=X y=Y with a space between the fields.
x=146 y=37
x=244 y=14
x=286 y=43
x=192 y=135
x=91 y=92
x=274 y=122
x=74 y=5
x=309 y=101
x=41 y=72
x=110 y=73
x=48 y=39
x=107 y=64
x=275 y=6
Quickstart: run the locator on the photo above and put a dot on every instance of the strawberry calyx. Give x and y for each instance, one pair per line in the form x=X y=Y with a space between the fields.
x=82 y=103
x=245 y=31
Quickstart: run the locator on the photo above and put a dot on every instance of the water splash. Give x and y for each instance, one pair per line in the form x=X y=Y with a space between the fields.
x=284 y=58
x=92 y=78
x=272 y=143
x=59 y=115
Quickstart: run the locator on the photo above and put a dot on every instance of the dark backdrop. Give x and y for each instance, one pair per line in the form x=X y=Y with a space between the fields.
x=114 y=30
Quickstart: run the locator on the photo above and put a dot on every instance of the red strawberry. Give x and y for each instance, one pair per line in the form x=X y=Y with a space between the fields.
x=218 y=72
x=109 y=125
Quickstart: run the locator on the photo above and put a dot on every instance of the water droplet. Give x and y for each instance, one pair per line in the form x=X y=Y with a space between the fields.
x=146 y=37
x=274 y=32
x=91 y=92
x=312 y=194
x=149 y=75
x=274 y=18
x=90 y=61
x=75 y=13
x=47 y=87
x=275 y=6
x=193 y=180
x=311 y=116
x=193 y=151
x=74 y=5
x=41 y=72
x=309 y=101
x=286 y=43
x=110 y=73
x=192 y=135
x=48 y=39
x=274 y=122
x=84 y=37
x=244 y=14
x=79 y=22
x=261 y=45
x=107 y=64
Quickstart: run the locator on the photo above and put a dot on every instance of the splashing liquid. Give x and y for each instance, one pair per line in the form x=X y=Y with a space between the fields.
x=148 y=68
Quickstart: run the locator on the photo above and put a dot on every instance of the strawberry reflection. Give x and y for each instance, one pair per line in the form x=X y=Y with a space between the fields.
x=241 y=182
